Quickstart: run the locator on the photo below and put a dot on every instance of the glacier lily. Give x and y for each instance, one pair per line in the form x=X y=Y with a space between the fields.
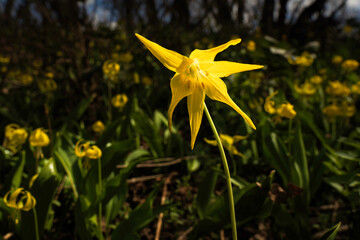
x=196 y=76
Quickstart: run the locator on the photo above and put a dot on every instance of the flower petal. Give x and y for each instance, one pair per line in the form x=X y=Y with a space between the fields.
x=216 y=89
x=181 y=86
x=211 y=142
x=195 y=104
x=170 y=59
x=225 y=68
x=209 y=54
x=30 y=202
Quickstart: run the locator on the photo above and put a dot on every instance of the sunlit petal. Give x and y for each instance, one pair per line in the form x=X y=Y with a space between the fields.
x=195 y=104
x=168 y=58
x=209 y=54
x=216 y=89
x=181 y=86
x=211 y=142
x=225 y=68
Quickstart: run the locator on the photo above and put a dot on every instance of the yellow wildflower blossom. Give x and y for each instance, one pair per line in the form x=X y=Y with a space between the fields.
x=38 y=138
x=146 y=81
x=286 y=110
x=15 y=137
x=316 y=79
x=336 y=88
x=4 y=60
x=26 y=79
x=331 y=111
x=251 y=46
x=119 y=100
x=98 y=127
x=111 y=69
x=355 y=89
x=304 y=60
x=269 y=104
x=85 y=150
x=136 y=78
x=350 y=65
x=20 y=200
x=306 y=88
x=337 y=59
x=47 y=85
x=93 y=152
x=196 y=76
x=125 y=57
x=228 y=143
x=348 y=109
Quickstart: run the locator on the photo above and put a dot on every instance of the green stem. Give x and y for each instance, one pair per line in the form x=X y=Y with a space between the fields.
x=36 y=224
x=227 y=173
x=109 y=100
x=99 y=197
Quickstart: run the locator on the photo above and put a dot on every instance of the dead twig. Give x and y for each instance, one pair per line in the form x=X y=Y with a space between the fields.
x=160 y=162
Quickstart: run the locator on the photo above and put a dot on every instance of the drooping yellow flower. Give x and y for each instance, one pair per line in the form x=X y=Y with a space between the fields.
x=196 y=76
x=125 y=57
x=337 y=59
x=336 y=88
x=4 y=60
x=304 y=60
x=350 y=65
x=119 y=100
x=20 y=200
x=38 y=138
x=146 y=81
x=355 y=89
x=269 y=104
x=251 y=46
x=316 y=79
x=228 y=143
x=286 y=110
x=331 y=111
x=26 y=79
x=98 y=127
x=348 y=109
x=306 y=89
x=15 y=137
x=87 y=151
x=47 y=85
x=111 y=69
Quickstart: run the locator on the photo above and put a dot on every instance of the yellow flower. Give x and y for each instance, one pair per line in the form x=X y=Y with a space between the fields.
x=269 y=104
x=347 y=29
x=98 y=127
x=87 y=151
x=336 y=88
x=38 y=138
x=47 y=85
x=4 y=60
x=316 y=79
x=37 y=63
x=20 y=200
x=146 y=80
x=350 y=65
x=110 y=68
x=305 y=89
x=347 y=109
x=286 y=110
x=228 y=143
x=196 y=76
x=15 y=137
x=355 y=89
x=119 y=100
x=26 y=79
x=49 y=75
x=337 y=59
x=80 y=148
x=32 y=180
x=304 y=60
x=125 y=57
x=331 y=111
x=93 y=152
x=251 y=46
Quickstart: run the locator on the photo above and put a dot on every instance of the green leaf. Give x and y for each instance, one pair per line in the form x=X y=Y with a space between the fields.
x=18 y=171
x=331 y=233
x=205 y=193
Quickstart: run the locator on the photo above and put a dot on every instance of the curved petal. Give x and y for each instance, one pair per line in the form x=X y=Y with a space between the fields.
x=225 y=68
x=13 y=199
x=195 y=103
x=216 y=89
x=30 y=202
x=209 y=54
x=170 y=59
x=181 y=86
x=211 y=142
